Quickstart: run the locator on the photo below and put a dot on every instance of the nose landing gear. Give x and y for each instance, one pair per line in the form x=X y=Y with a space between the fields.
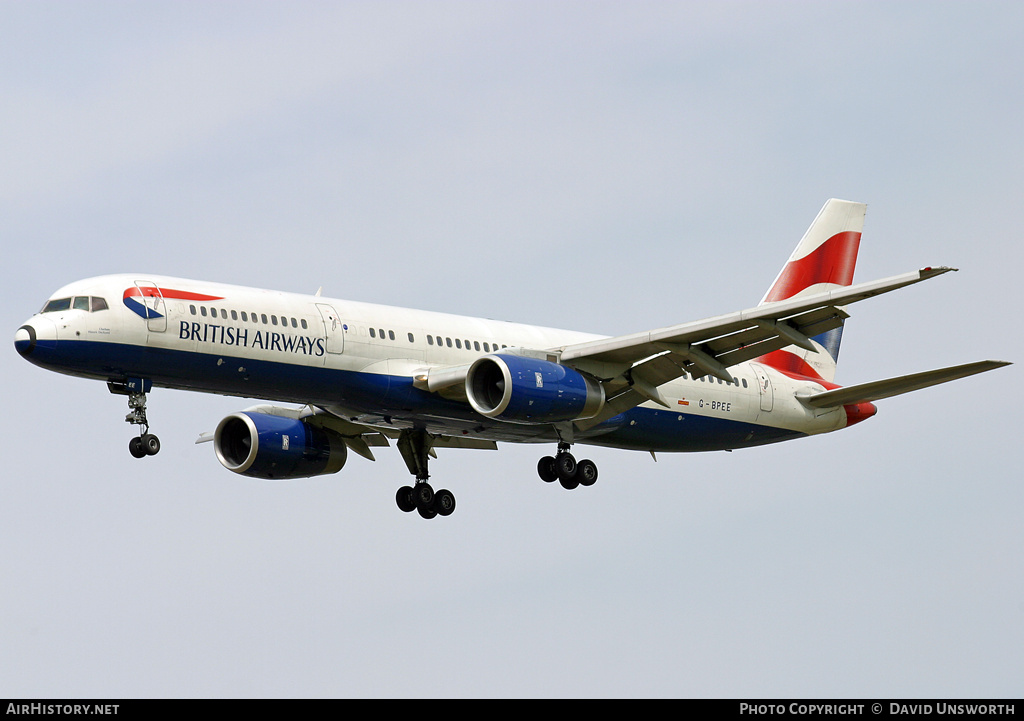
x=146 y=443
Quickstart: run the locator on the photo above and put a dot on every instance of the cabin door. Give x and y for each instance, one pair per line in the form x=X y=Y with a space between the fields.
x=764 y=388
x=333 y=328
x=153 y=307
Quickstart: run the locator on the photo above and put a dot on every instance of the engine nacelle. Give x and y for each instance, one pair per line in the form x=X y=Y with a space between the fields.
x=274 y=447
x=530 y=390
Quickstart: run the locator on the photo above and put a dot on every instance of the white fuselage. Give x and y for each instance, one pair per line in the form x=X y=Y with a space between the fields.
x=360 y=360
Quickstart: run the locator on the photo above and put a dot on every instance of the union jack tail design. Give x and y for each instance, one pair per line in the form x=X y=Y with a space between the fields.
x=823 y=260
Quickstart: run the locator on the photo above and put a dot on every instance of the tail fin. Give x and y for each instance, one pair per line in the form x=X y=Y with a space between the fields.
x=823 y=260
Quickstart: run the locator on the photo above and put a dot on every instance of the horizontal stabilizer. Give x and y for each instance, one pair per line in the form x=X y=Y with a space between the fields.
x=877 y=390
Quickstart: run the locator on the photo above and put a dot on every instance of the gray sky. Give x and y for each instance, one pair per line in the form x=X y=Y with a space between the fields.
x=606 y=167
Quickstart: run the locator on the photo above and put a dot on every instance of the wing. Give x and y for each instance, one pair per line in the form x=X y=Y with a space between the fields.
x=631 y=367
x=877 y=390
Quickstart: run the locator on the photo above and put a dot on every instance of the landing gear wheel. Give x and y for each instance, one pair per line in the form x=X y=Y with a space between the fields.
x=546 y=469
x=136 y=448
x=565 y=467
x=424 y=496
x=586 y=472
x=405 y=499
x=444 y=502
x=150 y=444
x=426 y=512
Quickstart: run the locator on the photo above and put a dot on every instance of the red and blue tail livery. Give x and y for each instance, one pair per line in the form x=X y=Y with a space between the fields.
x=340 y=376
x=824 y=260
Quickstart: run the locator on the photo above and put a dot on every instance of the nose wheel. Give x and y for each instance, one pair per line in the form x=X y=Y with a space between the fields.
x=145 y=445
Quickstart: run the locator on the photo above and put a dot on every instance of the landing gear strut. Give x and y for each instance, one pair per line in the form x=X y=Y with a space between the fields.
x=564 y=468
x=146 y=443
x=415 y=447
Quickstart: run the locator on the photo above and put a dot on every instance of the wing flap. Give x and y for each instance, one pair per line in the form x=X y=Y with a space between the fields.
x=462 y=442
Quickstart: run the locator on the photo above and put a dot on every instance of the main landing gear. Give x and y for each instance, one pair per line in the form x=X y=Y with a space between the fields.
x=414 y=445
x=145 y=444
x=565 y=469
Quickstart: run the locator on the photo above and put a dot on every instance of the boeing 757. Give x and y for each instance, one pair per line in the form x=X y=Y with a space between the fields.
x=360 y=376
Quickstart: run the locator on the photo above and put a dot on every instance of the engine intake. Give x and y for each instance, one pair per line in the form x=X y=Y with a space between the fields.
x=277 y=448
x=530 y=390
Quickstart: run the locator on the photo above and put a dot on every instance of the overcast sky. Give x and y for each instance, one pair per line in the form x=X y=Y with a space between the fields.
x=602 y=166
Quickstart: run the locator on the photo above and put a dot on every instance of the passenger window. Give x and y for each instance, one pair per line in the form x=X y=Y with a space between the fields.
x=486 y=348
x=263 y=317
x=744 y=382
x=273 y=319
x=245 y=317
x=98 y=304
x=192 y=309
x=430 y=339
x=458 y=343
x=391 y=334
x=234 y=315
x=304 y=325
x=373 y=333
x=411 y=339
x=381 y=331
x=476 y=345
x=202 y=310
x=448 y=342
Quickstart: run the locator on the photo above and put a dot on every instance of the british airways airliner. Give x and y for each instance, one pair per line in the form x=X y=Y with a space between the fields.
x=363 y=375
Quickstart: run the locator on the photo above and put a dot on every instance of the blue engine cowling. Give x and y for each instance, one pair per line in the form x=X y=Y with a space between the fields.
x=530 y=390
x=277 y=448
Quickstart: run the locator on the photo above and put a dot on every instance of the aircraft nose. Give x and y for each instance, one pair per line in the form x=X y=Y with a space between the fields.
x=39 y=332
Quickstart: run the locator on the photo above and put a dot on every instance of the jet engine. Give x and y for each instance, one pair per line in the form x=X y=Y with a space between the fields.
x=276 y=447
x=531 y=390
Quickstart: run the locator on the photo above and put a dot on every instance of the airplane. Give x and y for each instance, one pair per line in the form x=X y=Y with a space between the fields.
x=364 y=375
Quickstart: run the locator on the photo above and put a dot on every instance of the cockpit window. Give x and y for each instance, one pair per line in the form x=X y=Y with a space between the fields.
x=57 y=304
x=82 y=302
